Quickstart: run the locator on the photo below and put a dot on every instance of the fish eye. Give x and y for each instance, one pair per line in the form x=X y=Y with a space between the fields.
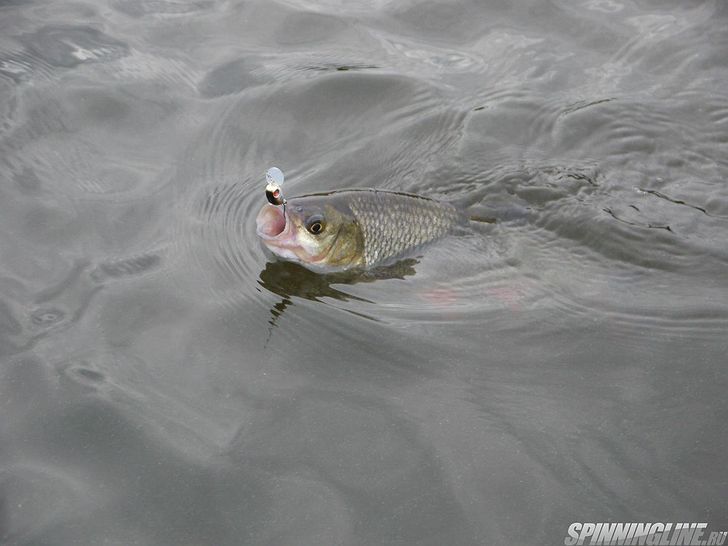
x=315 y=225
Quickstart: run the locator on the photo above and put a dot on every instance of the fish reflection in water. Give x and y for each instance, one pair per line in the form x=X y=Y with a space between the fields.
x=288 y=279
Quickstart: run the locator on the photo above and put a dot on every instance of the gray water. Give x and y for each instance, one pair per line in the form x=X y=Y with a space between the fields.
x=163 y=381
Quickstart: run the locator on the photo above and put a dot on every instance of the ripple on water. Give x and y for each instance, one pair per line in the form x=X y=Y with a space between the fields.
x=22 y=66
x=140 y=8
x=570 y=256
x=47 y=316
x=128 y=266
x=301 y=27
x=237 y=75
x=168 y=72
x=70 y=46
x=232 y=77
x=8 y=106
x=216 y=234
x=461 y=22
x=342 y=6
x=654 y=49
x=126 y=384
x=94 y=371
x=97 y=118
x=331 y=117
x=30 y=314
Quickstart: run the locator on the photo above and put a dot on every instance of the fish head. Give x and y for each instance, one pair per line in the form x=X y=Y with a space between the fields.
x=319 y=232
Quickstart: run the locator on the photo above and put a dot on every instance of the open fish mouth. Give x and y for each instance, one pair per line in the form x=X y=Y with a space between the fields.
x=275 y=228
x=271 y=222
x=278 y=233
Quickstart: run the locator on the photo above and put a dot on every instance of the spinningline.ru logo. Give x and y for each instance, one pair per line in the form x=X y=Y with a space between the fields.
x=650 y=534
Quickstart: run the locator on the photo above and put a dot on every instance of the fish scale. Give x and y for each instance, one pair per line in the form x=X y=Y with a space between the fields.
x=394 y=223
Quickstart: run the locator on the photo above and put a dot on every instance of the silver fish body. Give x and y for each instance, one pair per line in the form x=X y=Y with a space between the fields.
x=353 y=228
x=393 y=223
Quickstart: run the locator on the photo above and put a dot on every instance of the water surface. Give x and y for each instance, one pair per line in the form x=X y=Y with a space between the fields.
x=164 y=382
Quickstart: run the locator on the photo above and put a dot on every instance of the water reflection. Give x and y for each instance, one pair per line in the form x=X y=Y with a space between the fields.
x=288 y=280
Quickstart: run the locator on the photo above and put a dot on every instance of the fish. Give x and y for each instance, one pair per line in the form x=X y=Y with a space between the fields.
x=353 y=229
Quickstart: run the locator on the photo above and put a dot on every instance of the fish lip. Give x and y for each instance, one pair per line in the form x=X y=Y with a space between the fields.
x=284 y=243
x=265 y=218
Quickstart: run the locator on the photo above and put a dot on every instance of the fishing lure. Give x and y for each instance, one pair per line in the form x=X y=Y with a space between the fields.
x=274 y=180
